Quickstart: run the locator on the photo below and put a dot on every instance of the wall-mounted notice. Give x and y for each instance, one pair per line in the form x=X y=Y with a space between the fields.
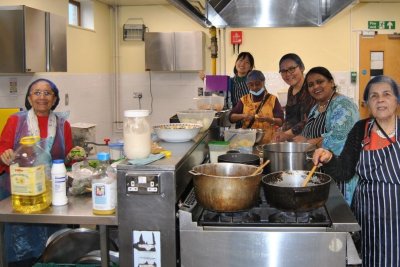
x=13 y=86
x=383 y=24
x=146 y=249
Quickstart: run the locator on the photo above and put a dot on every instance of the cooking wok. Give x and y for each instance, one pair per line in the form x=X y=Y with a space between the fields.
x=284 y=190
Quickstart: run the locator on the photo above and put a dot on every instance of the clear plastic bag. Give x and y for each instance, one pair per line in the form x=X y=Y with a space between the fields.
x=81 y=178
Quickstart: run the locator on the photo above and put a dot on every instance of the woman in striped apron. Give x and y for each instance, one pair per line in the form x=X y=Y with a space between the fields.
x=237 y=84
x=237 y=87
x=330 y=120
x=372 y=150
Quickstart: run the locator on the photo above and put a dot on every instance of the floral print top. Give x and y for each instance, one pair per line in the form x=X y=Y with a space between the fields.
x=342 y=114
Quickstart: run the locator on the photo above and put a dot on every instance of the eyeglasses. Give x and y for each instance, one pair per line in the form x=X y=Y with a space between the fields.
x=317 y=82
x=288 y=70
x=43 y=93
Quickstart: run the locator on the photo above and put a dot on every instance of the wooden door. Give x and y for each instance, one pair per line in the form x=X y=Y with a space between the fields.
x=379 y=44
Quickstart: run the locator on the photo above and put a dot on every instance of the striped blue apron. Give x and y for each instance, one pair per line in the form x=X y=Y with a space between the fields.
x=377 y=204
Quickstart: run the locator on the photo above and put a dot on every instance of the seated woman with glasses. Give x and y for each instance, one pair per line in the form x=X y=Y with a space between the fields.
x=26 y=241
x=258 y=109
x=330 y=120
x=299 y=101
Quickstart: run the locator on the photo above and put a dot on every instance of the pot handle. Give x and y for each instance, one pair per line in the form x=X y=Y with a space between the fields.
x=193 y=172
x=299 y=190
x=308 y=157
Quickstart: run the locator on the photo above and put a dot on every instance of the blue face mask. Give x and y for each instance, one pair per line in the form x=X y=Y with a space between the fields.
x=259 y=92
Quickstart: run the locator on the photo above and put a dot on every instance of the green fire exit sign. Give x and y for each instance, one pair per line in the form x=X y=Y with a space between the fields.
x=383 y=24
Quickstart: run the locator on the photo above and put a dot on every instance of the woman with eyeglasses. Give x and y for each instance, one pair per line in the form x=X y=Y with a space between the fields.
x=299 y=101
x=27 y=241
x=372 y=150
x=330 y=120
x=258 y=109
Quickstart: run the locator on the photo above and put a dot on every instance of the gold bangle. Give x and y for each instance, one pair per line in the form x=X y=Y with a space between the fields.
x=330 y=158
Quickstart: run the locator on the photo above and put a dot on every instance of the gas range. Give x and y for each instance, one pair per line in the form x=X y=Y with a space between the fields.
x=266 y=236
x=265 y=215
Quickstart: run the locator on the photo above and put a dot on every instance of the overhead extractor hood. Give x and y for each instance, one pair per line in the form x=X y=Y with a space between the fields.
x=261 y=13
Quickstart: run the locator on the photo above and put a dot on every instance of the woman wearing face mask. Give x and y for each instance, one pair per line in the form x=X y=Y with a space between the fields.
x=258 y=109
x=299 y=101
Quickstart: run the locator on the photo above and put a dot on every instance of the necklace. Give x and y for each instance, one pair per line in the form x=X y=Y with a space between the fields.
x=382 y=135
x=321 y=108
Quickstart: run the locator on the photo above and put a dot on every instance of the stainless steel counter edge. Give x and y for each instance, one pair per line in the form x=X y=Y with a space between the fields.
x=77 y=211
x=343 y=219
x=179 y=152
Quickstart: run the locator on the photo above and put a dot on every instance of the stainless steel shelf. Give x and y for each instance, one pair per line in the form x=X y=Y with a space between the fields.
x=78 y=211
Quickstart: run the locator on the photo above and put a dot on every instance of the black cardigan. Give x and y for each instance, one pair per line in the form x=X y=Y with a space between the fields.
x=343 y=167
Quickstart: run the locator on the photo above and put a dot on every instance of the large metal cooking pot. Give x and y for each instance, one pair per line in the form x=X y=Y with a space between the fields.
x=284 y=190
x=242 y=158
x=288 y=156
x=226 y=187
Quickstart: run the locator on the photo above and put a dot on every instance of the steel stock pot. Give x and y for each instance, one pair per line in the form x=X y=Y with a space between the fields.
x=287 y=156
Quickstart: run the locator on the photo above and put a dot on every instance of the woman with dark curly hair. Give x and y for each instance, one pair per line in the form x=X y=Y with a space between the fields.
x=330 y=120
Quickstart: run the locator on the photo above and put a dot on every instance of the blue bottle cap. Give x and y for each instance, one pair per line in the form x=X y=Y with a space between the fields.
x=58 y=161
x=103 y=156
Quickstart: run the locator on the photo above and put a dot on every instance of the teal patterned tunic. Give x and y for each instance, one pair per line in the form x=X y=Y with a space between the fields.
x=341 y=115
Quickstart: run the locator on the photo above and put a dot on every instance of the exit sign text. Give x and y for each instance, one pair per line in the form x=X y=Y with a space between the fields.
x=385 y=25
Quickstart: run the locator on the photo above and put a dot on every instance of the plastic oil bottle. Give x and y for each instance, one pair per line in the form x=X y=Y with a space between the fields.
x=104 y=187
x=30 y=177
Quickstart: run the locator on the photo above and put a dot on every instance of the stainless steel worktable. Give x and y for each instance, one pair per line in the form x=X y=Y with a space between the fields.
x=78 y=211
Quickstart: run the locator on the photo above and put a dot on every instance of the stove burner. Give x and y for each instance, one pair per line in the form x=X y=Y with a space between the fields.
x=230 y=217
x=289 y=217
x=265 y=215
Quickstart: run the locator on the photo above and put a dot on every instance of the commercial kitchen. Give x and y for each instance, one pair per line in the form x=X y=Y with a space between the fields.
x=105 y=69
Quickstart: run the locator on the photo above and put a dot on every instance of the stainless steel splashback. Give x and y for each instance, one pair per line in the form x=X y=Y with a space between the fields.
x=262 y=13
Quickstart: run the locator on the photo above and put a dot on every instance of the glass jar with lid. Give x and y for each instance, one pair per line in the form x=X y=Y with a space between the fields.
x=137 y=134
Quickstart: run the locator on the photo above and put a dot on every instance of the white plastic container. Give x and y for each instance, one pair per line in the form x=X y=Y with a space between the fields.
x=59 y=183
x=217 y=148
x=116 y=151
x=137 y=134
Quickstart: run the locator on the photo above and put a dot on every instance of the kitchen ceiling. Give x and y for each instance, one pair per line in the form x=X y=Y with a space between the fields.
x=135 y=2
x=166 y=2
x=255 y=13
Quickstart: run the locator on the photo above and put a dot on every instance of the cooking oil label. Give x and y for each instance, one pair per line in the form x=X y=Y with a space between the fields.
x=28 y=181
x=104 y=196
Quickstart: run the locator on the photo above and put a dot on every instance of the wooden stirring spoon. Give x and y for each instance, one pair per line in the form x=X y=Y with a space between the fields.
x=261 y=167
x=310 y=174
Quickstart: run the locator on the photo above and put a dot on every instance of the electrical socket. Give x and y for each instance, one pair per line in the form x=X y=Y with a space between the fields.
x=137 y=95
